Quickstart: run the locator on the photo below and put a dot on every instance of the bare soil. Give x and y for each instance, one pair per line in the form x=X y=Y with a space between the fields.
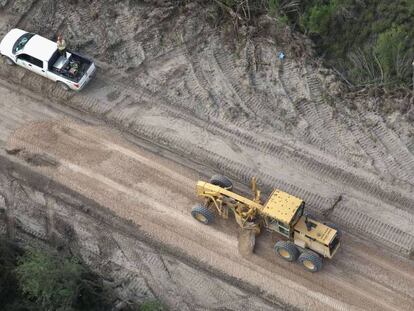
x=157 y=195
x=193 y=96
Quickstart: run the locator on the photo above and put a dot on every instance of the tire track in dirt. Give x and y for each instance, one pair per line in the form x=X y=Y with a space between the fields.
x=200 y=84
x=151 y=134
x=273 y=109
x=368 y=145
x=373 y=186
x=250 y=99
x=70 y=171
x=319 y=116
x=122 y=116
x=97 y=178
x=390 y=235
x=272 y=148
x=403 y=163
x=287 y=72
x=28 y=9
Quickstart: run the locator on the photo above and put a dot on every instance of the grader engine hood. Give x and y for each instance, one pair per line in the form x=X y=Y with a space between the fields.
x=316 y=236
x=318 y=232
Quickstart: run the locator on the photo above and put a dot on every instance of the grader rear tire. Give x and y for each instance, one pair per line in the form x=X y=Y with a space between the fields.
x=311 y=261
x=287 y=250
x=246 y=242
x=202 y=214
x=221 y=181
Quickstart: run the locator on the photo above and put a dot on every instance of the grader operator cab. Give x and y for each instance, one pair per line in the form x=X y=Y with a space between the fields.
x=303 y=239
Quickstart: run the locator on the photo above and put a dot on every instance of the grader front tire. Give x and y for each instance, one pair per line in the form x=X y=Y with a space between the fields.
x=311 y=261
x=221 y=181
x=202 y=214
x=287 y=250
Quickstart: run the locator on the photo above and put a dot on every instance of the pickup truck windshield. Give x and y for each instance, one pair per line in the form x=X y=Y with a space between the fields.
x=21 y=42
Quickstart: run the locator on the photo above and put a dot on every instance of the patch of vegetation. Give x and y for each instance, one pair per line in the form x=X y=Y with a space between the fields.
x=152 y=305
x=55 y=282
x=47 y=280
x=370 y=42
x=11 y=298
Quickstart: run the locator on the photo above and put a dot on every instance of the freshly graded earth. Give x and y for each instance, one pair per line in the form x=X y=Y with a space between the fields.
x=188 y=101
x=157 y=194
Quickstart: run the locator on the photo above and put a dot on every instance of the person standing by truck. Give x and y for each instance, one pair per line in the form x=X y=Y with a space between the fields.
x=61 y=45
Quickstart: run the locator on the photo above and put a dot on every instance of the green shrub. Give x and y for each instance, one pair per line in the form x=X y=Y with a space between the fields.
x=390 y=49
x=369 y=42
x=320 y=17
x=273 y=7
x=58 y=283
x=11 y=298
x=8 y=282
x=49 y=281
x=152 y=305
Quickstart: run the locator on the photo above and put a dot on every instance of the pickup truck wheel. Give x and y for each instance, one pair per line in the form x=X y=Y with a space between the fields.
x=8 y=61
x=202 y=214
x=287 y=250
x=221 y=181
x=63 y=86
x=311 y=261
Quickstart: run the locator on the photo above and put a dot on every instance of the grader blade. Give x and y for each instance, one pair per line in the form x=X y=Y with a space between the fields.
x=246 y=242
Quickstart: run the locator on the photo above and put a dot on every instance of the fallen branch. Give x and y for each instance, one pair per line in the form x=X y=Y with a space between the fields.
x=229 y=10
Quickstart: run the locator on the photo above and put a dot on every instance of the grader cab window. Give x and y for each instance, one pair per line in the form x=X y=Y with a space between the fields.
x=298 y=214
x=278 y=226
x=284 y=229
x=333 y=244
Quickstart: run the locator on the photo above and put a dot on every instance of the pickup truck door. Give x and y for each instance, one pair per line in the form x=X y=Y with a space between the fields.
x=31 y=63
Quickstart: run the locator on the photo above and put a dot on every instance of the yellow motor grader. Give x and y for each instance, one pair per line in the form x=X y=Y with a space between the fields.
x=303 y=239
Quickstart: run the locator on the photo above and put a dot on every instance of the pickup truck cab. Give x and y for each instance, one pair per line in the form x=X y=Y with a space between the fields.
x=40 y=55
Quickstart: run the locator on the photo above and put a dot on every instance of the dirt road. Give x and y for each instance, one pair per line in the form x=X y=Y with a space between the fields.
x=157 y=195
x=202 y=108
x=243 y=112
x=193 y=288
x=318 y=178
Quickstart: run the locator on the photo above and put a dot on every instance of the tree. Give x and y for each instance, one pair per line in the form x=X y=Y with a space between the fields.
x=8 y=282
x=59 y=283
x=11 y=298
x=320 y=17
x=51 y=281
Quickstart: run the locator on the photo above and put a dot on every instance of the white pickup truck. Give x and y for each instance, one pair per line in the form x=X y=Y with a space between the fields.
x=41 y=56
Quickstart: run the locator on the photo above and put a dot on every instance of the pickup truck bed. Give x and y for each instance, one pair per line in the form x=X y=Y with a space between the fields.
x=40 y=55
x=71 y=66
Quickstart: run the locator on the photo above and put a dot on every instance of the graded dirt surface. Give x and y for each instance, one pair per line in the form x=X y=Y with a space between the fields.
x=157 y=195
x=200 y=106
x=168 y=76
x=180 y=285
